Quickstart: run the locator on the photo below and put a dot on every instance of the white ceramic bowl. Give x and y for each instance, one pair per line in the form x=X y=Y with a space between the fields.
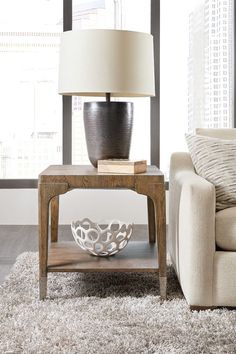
x=104 y=239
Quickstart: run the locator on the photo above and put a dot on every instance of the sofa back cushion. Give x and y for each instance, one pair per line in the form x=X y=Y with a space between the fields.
x=215 y=160
x=226 y=134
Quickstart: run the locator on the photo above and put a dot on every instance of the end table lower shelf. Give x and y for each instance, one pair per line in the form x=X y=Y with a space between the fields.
x=138 y=256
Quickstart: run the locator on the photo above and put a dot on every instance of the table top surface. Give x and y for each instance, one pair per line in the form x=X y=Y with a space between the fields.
x=88 y=170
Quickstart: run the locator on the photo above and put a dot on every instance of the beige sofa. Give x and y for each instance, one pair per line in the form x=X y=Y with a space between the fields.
x=201 y=242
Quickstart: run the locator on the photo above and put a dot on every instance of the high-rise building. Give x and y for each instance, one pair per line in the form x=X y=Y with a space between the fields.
x=210 y=75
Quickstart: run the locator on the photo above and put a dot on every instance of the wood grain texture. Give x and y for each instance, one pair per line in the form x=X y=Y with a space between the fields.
x=68 y=171
x=45 y=193
x=44 y=199
x=156 y=192
x=151 y=220
x=136 y=257
x=54 y=218
x=160 y=216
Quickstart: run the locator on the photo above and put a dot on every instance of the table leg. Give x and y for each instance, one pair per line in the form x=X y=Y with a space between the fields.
x=159 y=206
x=54 y=218
x=156 y=192
x=151 y=221
x=47 y=192
x=43 y=240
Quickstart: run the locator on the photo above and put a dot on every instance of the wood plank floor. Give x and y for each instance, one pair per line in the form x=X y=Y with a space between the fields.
x=15 y=240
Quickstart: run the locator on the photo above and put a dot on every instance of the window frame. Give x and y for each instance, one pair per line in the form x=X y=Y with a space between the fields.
x=234 y=64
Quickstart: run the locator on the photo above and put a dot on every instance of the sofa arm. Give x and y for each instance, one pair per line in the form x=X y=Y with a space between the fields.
x=191 y=240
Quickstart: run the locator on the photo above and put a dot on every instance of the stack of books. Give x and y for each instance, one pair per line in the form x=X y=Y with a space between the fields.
x=122 y=166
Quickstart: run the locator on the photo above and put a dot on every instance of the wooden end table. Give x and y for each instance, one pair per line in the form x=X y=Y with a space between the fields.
x=139 y=256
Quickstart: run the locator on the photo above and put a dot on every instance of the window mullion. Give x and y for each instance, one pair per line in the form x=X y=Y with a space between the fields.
x=67 y=100
x=155 y=101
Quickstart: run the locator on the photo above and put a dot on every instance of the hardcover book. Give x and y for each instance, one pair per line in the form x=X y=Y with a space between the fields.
x=122 y=166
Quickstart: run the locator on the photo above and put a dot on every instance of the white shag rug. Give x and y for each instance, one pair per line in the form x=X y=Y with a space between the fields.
x=105 y=314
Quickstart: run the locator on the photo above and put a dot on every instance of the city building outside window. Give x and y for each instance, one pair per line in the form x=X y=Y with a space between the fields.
x=190 y=44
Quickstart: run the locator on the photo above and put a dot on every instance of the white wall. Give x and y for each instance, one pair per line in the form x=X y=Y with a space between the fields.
x=19 y=206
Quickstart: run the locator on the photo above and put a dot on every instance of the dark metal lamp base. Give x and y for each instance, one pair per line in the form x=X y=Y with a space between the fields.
x=108 y=129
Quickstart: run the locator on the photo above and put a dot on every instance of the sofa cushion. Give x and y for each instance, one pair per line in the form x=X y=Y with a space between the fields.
x=226 y=229
x=226 y=134
x=215 y=160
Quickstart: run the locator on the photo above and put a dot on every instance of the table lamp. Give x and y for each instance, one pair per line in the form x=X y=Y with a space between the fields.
x=108 y=63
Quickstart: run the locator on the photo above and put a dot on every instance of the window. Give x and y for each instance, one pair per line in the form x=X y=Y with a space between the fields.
x=30 y=110
x=186 y=49
x=96 y=13
x=189 y=74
